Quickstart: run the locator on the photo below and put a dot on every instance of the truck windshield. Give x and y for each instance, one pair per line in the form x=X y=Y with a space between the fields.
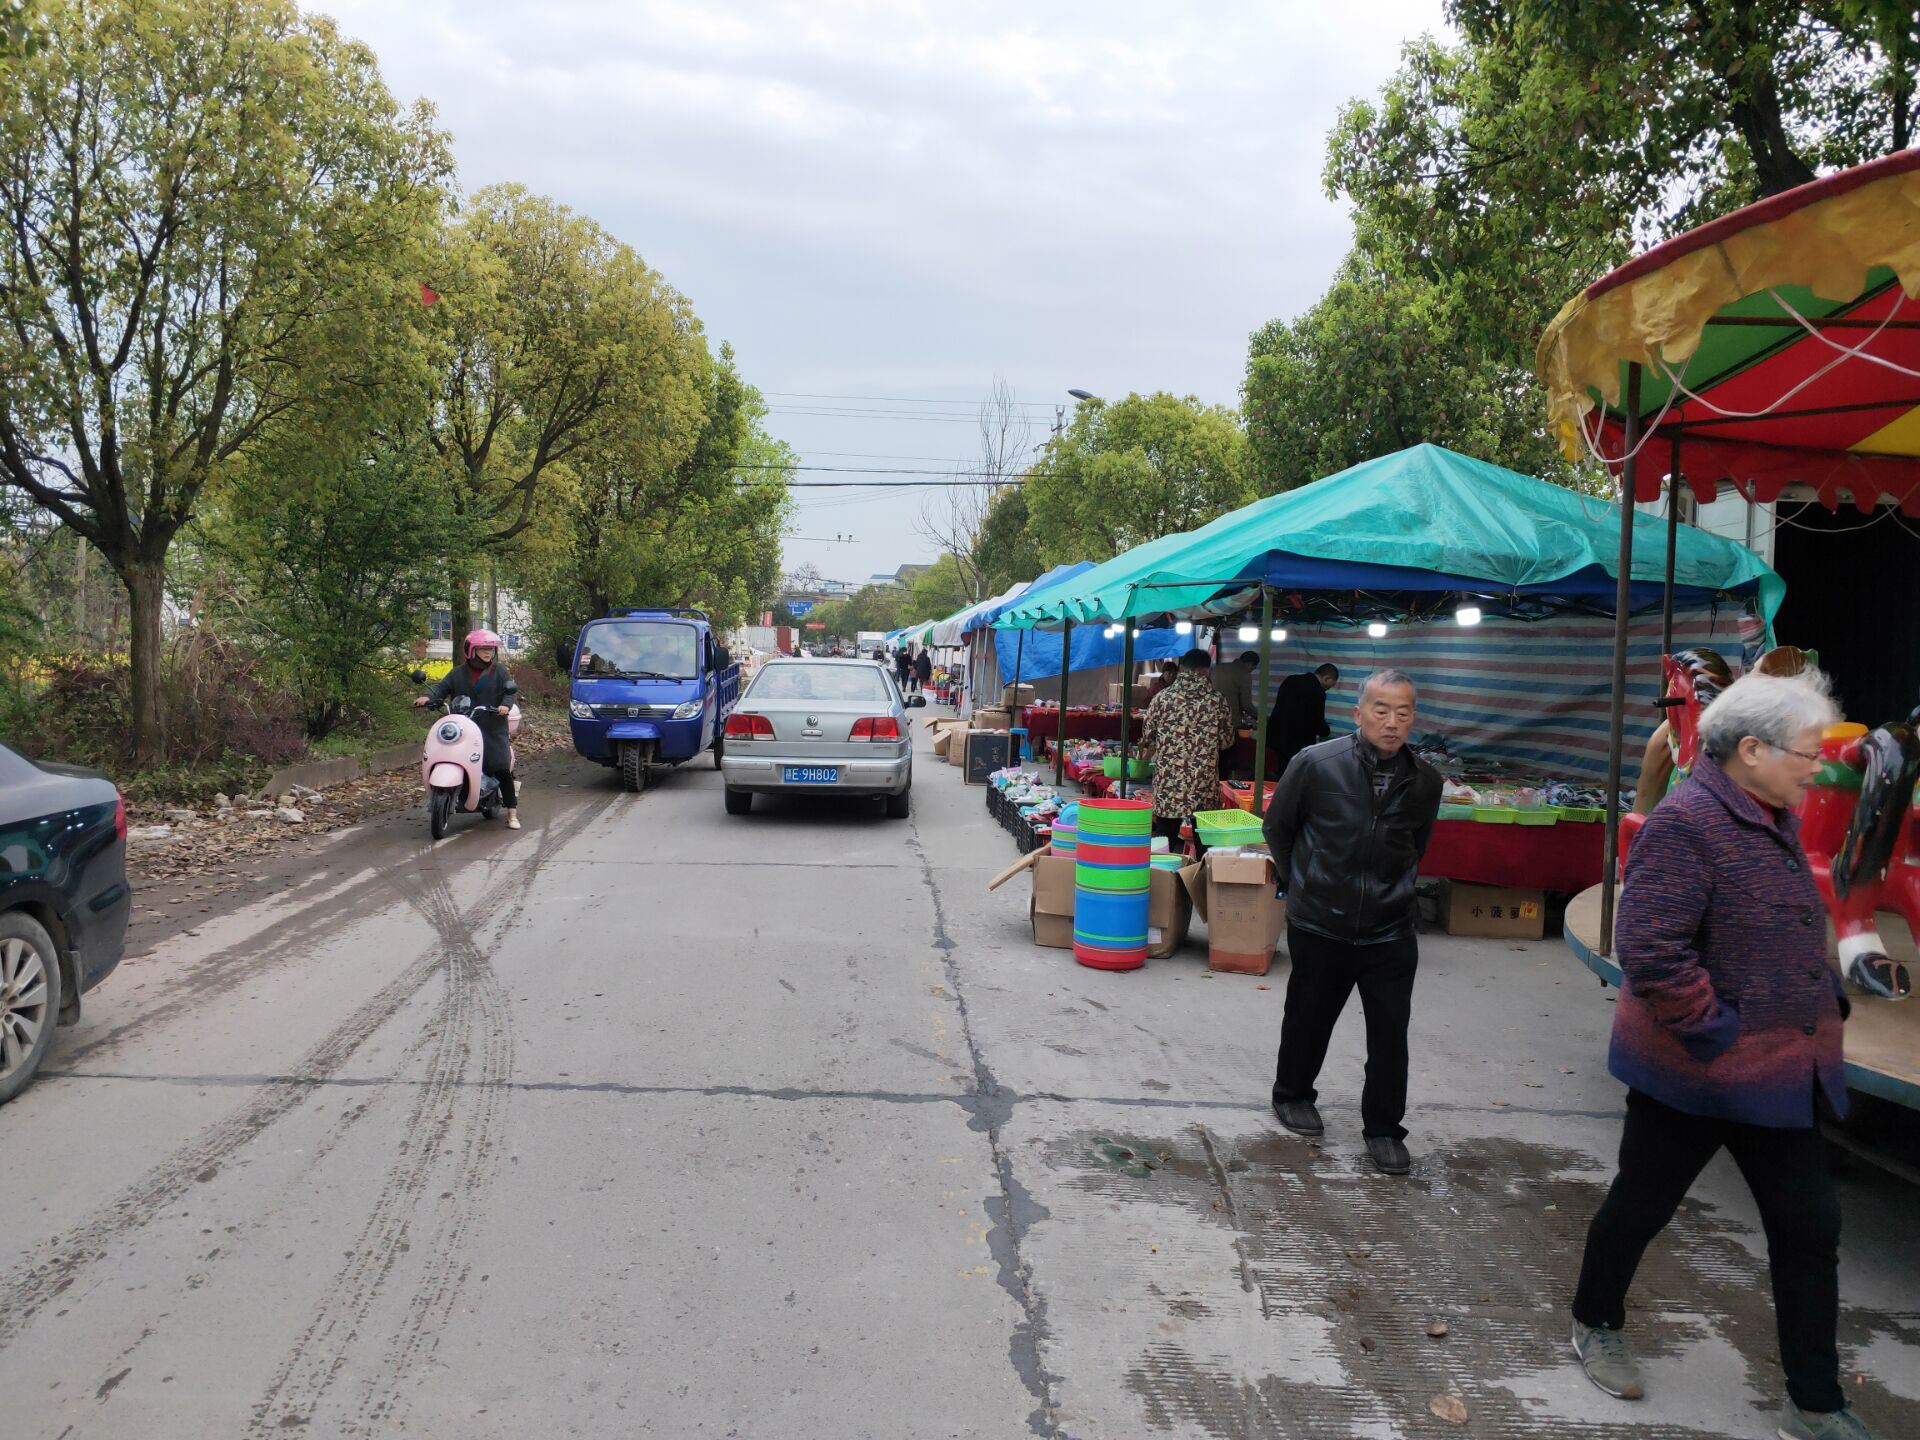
x=639 y=650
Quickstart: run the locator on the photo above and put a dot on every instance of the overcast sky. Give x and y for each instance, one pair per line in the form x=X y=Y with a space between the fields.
x=892 y=203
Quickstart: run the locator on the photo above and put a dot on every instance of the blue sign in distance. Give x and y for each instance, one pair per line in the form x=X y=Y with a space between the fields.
x=797 y=608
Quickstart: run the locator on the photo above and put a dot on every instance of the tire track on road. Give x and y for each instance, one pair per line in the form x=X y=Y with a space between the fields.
x=28 y=1287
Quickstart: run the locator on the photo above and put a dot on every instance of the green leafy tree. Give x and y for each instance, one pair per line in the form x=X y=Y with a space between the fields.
x=1378 y=364
x=1133 y=470
x=1005 y=552
x=939 y=590
x=206 y=208
x=332 y=556
x=568 y=357
x=1556 y=138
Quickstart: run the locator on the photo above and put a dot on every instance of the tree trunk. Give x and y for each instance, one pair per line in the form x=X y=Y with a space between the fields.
x=459 y=605
x=146 y=600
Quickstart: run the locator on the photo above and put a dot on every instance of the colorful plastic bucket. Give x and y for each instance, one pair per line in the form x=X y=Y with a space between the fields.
x=1112 y=878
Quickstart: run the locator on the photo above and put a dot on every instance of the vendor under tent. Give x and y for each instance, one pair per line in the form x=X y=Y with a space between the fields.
x=1775 y=351
x=1422 y=536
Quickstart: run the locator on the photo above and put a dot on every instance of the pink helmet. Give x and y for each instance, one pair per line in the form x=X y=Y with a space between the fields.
x=479 y=638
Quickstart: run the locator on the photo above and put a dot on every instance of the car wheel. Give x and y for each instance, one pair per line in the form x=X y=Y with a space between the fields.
x=29 y=1000
x=739 y=802
x=900 y=806
x=633 y=767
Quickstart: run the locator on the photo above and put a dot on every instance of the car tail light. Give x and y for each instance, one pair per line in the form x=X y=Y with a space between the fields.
x=119 y=815
x=875 y=727
x=742 y=726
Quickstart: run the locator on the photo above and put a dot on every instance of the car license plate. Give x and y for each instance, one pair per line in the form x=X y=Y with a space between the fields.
x=813 y=774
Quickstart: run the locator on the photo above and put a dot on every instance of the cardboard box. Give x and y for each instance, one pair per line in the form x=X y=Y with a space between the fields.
x=1245 y=919
x=1051 y=908
x=1014 y=696
x=943 y=733
x=992 y=717
x=1169 y=911
x=986 y=752
x=1493 y=913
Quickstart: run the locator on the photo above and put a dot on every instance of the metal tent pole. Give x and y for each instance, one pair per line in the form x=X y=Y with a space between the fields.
x=1259 y=716
x=1622 y=616
x=1066 y=667
x=1019 y=650
x=1673 y=532
x=1126 y=706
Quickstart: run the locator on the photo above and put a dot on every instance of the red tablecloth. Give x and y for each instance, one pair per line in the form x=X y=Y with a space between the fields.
x=1082 y=723
x=1527 y=857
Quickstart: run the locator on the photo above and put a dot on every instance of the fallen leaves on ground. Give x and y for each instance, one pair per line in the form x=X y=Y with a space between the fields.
x=216 y=838
x=1450 y=1408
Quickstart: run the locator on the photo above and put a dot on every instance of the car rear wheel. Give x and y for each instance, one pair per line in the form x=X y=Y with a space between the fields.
x=900 y=806
x=29 y=1000
x=739 y=802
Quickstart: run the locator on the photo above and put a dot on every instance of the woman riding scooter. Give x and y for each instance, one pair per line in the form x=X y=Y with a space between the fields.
x=486 y=681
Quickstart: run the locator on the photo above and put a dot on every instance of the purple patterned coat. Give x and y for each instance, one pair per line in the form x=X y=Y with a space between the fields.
x=1729 y=1007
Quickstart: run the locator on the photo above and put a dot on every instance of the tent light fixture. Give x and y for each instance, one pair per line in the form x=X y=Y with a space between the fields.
x=1183 y=627
x=1378 y=630
x=1249 y=633
x=1468 y=615
x=1279 y=634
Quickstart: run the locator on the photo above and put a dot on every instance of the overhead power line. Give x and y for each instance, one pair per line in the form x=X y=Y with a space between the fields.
x=906 y=399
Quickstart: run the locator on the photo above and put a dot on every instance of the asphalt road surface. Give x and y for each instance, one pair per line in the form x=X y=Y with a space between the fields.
x=649 y=1120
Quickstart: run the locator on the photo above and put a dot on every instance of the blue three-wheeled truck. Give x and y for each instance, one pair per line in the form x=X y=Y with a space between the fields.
x=650 y=687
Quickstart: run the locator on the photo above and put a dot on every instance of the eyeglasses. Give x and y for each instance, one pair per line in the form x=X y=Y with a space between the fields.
x=1789 y=750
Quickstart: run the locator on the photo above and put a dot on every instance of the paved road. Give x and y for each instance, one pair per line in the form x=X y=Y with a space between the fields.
x=652 y=1121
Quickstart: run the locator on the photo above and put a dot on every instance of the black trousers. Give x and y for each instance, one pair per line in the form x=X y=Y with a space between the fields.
x=1325 y=972
x=509 y=797
x=1662 y=1152
x=1171 y=829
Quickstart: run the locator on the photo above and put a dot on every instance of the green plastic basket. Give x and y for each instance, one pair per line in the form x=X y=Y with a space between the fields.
x=1495 y=814
x=1456 y=812
x=1581 y=814
x=1228 y=827
x=1137 y=768
x=1536 y=817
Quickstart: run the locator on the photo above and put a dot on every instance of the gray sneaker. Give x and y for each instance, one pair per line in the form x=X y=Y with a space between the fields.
x=1607 y=1360
x=1798 y=1424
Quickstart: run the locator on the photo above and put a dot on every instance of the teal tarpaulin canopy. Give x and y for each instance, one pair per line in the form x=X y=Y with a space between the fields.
x=1421 y=520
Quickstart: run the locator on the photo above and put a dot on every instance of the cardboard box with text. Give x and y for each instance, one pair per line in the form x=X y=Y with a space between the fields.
x=1492 y=913
x=1244 y=917
x=1052 y=905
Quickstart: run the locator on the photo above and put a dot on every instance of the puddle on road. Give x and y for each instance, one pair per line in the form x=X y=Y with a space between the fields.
x=1349 y=1269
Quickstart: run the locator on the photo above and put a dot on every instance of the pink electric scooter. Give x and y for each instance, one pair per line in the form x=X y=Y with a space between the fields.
x=450 y=764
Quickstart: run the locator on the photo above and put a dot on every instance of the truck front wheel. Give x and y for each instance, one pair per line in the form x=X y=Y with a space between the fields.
x=633 y=766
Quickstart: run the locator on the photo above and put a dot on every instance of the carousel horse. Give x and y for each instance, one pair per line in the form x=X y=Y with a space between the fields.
x=1861 y=831
x=1694 y=678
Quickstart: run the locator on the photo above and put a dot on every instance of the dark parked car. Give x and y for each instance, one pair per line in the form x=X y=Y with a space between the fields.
x=63 y=902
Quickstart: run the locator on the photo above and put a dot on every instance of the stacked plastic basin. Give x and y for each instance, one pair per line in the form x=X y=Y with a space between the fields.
x=1112 y=878
x=1066 y=830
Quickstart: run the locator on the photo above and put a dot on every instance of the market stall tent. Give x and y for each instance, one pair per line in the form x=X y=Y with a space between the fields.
x=1422 y=522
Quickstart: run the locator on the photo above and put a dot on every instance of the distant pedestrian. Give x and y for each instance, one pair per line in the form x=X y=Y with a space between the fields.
x=1186 y=727
x=1299 y=716
x=1235 y=684
x=1349 y=822
x=903 y=668
x=1727 y=1036
x=922 y=670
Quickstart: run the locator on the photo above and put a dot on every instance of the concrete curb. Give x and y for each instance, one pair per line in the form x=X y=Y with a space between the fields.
x=319 y=774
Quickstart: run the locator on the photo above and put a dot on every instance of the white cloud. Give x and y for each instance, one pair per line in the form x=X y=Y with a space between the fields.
x=909 y=198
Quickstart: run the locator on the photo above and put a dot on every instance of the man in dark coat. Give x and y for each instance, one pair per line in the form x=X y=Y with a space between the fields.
x=1299 y=716
x=1349 y=822
x=922 y=670
x=486 y=681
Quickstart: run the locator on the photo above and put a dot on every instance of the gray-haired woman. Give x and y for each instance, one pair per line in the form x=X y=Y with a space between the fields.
x=1727 y=1036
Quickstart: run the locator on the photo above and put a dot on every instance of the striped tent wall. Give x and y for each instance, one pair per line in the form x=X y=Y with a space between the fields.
x=1535 y=695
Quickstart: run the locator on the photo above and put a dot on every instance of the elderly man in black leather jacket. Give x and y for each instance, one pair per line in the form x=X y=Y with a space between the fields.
x=1348 y=824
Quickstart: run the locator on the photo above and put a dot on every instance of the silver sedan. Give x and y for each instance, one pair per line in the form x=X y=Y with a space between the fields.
x=835 y=727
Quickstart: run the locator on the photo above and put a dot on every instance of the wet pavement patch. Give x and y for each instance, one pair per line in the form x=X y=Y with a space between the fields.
x=1353 y=1272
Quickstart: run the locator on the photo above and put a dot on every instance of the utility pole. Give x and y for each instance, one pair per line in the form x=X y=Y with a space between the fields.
x=1059 y=420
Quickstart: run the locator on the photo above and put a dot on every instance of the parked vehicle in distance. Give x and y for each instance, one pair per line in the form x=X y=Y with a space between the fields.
x=650 y=687
x=64 y=902
x=821 y=726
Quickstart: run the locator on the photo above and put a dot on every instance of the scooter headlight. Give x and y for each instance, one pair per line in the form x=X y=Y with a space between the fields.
x=580 y=710
x=689 y=710
x=450 y=732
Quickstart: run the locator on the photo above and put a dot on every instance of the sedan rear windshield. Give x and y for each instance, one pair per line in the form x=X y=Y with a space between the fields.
x=639 y=649
x=820 y=682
